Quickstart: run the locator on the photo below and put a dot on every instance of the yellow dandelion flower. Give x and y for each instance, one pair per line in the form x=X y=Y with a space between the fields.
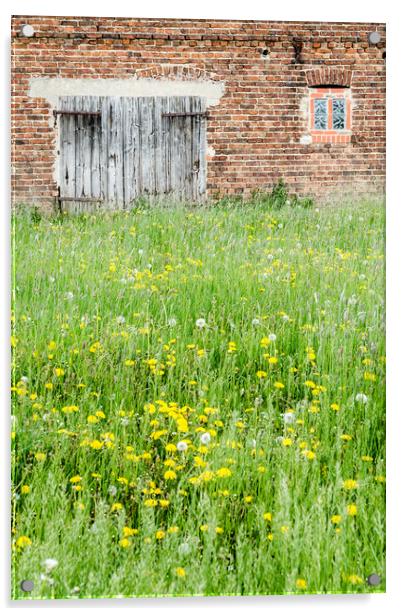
x=336 y=519
x=75 y=479
x=335 y=407
x=23 y=542
x=261 y=374
x=278 y=385
x=204 y=528
x=150 y=502
x=310 y=384
x=160 y=534
x=219 y=530
x=129 y=532
x=173 y=530
x=207 y=476
x=287 y=442
x=59 y=372
x=180 y=572
x=40 y=456
x=116 y=507
x=223 y=472
x=95 y=347
x=350 y=484
x=124 y=543
x=95 y=444
x=351 y=509
x=25 y=489
x=267 y=516
x=301 y=584
x=170 y=475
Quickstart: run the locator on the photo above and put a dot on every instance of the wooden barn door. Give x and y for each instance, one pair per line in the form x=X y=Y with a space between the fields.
x=114 y=150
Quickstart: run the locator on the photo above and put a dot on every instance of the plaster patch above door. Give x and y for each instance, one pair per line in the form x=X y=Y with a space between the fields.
x=51 y=88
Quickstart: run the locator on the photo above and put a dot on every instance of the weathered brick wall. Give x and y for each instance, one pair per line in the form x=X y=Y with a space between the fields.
x=255 y=129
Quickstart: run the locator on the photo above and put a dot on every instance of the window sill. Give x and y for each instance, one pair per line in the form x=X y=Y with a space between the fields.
x=330 y=137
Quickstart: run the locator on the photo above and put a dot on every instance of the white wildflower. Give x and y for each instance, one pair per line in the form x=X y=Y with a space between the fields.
x=184 y=549
x=201 y=323
x=205 y=438
x=360 y=397
x=288 y=417
x=50 y=563
x=182 y=446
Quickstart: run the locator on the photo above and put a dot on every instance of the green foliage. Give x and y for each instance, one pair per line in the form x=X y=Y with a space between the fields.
x=261 y=324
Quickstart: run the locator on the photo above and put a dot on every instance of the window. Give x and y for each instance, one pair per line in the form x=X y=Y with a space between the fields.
x=330 y=115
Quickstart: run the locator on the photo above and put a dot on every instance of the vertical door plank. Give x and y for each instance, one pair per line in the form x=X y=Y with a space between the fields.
x=188 y=151
x=67 y=149
x=95 y=144
x=128 y=150
x=104 y=148
x=79 y=151
x=114 y=153
x=202 y=152
x=159 y=187
x=147 y=145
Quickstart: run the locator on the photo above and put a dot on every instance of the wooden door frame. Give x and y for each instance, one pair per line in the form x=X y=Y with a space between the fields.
x=171 y=162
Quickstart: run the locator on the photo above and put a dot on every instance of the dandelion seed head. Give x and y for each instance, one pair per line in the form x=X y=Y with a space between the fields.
x=360 y=397
x=50 y=563
x=205 y=438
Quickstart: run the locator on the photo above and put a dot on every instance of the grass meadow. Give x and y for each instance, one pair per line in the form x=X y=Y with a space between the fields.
x=199 y=401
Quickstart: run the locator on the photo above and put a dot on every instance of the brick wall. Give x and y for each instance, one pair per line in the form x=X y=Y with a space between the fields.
x=256 y=128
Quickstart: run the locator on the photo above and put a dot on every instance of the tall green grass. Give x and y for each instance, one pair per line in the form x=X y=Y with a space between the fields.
x=254 y=336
